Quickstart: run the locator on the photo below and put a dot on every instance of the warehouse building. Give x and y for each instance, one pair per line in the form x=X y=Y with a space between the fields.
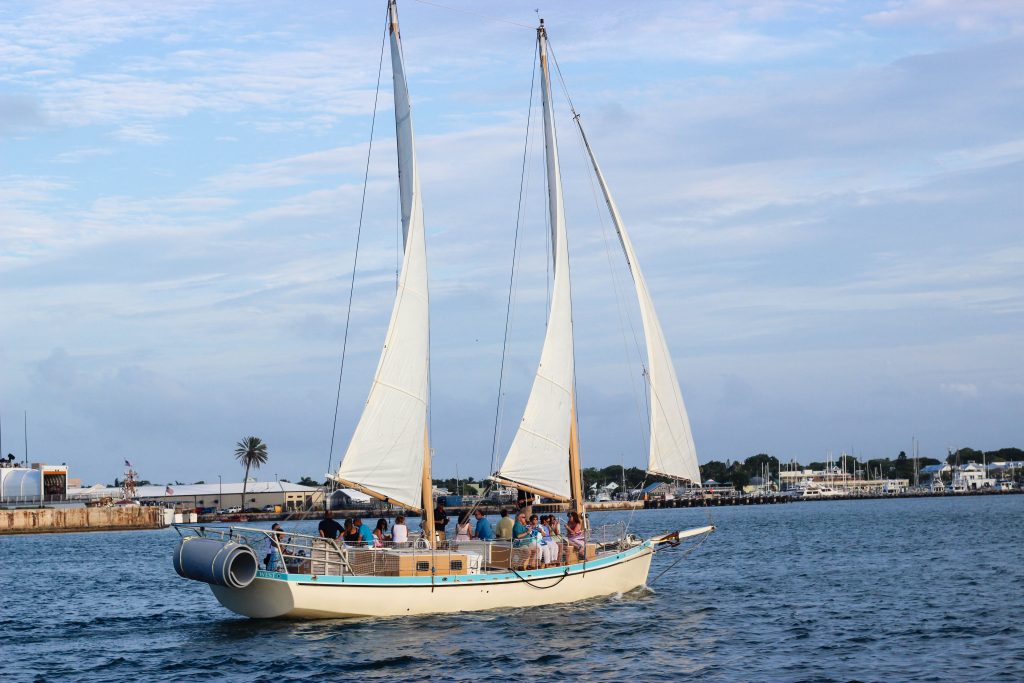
x=219 y=496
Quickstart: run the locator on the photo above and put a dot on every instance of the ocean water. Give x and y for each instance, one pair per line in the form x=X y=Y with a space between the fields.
x=878 y=590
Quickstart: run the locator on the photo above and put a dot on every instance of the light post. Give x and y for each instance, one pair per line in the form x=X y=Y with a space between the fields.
x=220 y=493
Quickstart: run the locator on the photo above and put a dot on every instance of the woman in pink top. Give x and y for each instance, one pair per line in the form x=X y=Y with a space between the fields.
x=575 y=531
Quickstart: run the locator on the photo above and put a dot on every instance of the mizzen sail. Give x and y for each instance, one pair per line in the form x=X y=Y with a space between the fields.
x=388 y=448
x=539 y=456
x=672 y=451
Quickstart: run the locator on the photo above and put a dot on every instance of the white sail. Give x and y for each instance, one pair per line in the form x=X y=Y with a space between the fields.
x=539 y=456
x=387 y=450
x=672 y=451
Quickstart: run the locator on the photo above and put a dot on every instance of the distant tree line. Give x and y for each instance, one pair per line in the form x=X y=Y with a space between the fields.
x=965 y=455
x=737 y=473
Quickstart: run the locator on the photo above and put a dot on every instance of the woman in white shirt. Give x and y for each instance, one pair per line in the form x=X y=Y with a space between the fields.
x=462 y=532
x=399 y=532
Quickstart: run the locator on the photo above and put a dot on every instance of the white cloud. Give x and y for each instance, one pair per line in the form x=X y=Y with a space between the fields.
x=140 y=133
x=961 y=390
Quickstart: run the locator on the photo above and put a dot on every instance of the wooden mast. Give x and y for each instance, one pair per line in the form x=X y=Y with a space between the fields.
x=428 y=494
x=575 y=471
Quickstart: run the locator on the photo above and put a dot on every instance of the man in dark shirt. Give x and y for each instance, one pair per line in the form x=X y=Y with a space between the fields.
x=328 y=527
x=440 y=520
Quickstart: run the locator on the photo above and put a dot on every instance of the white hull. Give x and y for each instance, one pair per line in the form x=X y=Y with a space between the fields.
x=331 y=597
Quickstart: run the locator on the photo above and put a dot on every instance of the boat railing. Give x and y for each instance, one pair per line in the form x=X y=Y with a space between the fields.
x=288 y=552
x=279 y=550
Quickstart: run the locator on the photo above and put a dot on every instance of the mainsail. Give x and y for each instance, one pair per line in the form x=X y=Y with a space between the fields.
x=538 y=459
x=672 y=451
x=387 y=454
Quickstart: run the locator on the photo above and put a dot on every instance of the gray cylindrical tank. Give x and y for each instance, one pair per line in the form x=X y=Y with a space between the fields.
x=222 y=563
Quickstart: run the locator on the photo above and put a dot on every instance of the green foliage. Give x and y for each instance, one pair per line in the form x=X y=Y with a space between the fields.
x=306 y=481
x=716 y=470
x=460 y=487
x=251 y=452
x=634 y=476
x=966 y=455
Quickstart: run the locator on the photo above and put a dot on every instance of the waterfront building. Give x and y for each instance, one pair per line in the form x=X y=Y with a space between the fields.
x=228 y=495
x=659 y=490
x=841 y=482
x=33 y=485
x=971 y=477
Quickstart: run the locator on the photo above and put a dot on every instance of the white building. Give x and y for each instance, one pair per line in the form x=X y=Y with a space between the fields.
x=971 y=477
x=33 y=485
x=258 y=494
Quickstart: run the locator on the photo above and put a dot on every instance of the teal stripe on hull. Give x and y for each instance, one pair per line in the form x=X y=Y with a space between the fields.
x=530 y=575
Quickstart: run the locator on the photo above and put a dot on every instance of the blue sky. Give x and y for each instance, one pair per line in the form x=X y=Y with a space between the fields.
x=826 y=199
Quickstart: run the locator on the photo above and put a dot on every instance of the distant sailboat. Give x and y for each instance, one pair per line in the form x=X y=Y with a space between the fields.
x=388 y=457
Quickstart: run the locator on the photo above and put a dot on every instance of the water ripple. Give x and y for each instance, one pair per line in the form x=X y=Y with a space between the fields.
x=915 y=590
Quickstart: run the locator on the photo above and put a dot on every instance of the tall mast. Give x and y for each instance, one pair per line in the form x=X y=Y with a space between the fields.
x=409 y=189
x=541 y=458
x=389 y=454
x=556 y=211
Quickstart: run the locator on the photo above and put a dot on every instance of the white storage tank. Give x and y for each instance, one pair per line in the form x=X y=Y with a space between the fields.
x=20 y=485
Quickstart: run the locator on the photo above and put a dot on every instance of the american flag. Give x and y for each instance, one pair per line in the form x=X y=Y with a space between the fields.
x=169 y=491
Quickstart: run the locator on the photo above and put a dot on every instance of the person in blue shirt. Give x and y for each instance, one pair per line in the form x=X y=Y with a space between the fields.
x=520 y=531
x=365 y=532
x=522 y=542
x=483 y=530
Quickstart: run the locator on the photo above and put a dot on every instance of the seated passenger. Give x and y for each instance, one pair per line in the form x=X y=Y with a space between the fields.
x=548 y=551
x=520 y=531
x=534 y=532
x=522 y=542
x=483 y=529
x=364 y=531
x=400 y=532
x=504 y=528
x=462 y=532
x=351 y=533
x=380 y=534
x=574 y=529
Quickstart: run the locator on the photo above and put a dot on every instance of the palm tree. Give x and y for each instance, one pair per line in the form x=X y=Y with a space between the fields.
x=251 y=452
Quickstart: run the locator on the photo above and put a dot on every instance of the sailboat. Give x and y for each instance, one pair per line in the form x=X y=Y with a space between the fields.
x=267 y=574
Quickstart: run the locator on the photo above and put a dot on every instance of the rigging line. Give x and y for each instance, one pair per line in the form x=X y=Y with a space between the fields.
x=561 y=80
x=682 y=557
x=586 y=145
x=532 y=145
x=619 y=297
x=355 y=257
x=475 y=14
x=512 y=275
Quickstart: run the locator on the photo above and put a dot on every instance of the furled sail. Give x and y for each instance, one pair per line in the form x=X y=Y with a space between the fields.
x=386 y=454
x=539 y=456
x=672 y=451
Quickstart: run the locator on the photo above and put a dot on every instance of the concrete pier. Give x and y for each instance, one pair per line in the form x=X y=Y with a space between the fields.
x=61 y=520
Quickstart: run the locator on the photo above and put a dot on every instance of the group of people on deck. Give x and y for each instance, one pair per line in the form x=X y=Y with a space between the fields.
x=538 y=541
x=355 y=532
x=545 y=538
